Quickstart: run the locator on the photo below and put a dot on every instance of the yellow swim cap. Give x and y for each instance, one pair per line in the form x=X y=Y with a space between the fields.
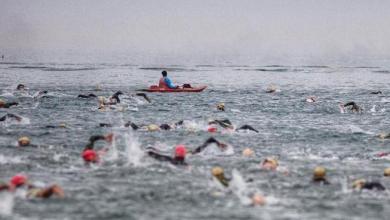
x=221 y=106
x=24 y=141
x=387 y=172
x=153 y=127
x=319 y=173
x=217 y=171
x=358 y=184
x=247 y=152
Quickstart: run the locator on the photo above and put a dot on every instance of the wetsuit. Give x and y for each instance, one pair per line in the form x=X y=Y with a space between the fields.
x=355 y=107
x=7 y=105
x=373 y=185
x=247 y=127
x=144 y=96
x=322 y=180
x=165 y=158
x=209 y=141
x=9 y=115
x=87 y=96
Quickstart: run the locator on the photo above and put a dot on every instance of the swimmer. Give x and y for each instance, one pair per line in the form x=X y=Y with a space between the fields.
x=361 y=184
x=225 y=123
x=376 y=93
x=144 y=96
x=11 y=116
x=384 y=135
x=247 y=152
x=221 y=106
x=4 y=104
x=354 y=107
x=45 y=192
x=114 y=99
x=258 y=199
x=386 y=172
x=311 y=99
x=90 y=154
x=41 y=94
x=269 y=164
x=21 y=87
x=177 y=159
x=319 y=176
x=24 y=141
x=91 y=95
x=247 y=127
x=207 y=143
x=219 y=175
x=271 y=89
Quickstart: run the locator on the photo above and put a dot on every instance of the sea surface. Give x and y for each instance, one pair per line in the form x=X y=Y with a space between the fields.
x=129 y=185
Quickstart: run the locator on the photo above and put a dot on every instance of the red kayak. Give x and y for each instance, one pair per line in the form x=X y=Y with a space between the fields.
x=159 y=89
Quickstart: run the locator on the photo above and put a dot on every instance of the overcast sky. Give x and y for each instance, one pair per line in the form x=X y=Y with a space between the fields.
x=275 y=27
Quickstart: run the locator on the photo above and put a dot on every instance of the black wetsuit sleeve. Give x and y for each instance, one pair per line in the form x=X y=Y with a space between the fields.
x=248 y=127
x=374 y=185
x=7 y=105
x=209 y=141
x=160 y=157
x=349 y=104
x=144 y=95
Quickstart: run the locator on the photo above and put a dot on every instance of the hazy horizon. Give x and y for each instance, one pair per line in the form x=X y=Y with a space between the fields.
x=177 y=29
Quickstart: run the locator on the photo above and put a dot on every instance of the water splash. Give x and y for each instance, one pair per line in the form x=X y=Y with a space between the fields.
x=134 y=153
x=239 y=187
x=6 y=204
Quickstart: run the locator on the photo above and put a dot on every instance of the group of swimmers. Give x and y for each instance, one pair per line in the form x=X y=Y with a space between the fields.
x=91 y=155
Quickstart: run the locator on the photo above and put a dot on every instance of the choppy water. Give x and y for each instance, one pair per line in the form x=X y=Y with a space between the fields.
x=130 y=186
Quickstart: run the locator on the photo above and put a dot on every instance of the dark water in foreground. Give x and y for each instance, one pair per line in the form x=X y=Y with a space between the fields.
x=128 y=185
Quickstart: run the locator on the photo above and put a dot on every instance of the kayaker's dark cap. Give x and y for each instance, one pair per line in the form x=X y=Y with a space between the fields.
x=164 y=73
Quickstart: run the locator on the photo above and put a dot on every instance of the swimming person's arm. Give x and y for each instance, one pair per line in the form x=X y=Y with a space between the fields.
x=169 y=83
x=159 y=157
x=209 y=141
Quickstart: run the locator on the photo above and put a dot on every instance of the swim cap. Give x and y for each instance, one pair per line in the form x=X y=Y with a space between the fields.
x=24 y=141
x=358 y=184
x=212 y=129
x=90 y=156
x=2 y=102
x=319 y=173
x=270 y=164
x=18 y=180
x=221 y=106
x=387 y=172
x=217 y=171
x=153 y=127
x=258 y=199
x=180 y=151
x=62 y=125
x=247 y=152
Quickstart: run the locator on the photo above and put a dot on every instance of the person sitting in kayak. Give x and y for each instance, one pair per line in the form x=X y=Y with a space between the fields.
x=165 y=82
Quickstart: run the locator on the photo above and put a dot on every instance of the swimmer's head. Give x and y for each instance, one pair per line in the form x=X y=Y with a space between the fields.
x=153 y=127
x=18 y=180
x=270 y=164
x=217 y=172
x=221 y=106
x=387 y=172
x=358 y=184
x=164 y=73
x=20 y=87
x=271 y=88
x=212 y=129
x=180 y=151
x=2 y=103
x=90 y=156
x=23 y=141
x=247 y=152
x=62 y=125
x=319 y=173
x=258 y=199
